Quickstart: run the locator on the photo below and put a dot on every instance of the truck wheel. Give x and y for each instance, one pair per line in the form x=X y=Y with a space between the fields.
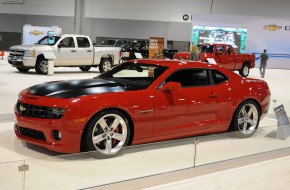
x=105 y=65
x=85 y=68
x=245 y=70
x=41 y=66
x=23 y=70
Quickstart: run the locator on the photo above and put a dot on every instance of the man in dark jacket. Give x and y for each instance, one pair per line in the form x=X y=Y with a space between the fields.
x=263 y=64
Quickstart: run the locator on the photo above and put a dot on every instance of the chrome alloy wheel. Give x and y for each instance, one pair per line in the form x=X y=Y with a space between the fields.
x=246 y=71
x=248 y=119
x=109 y=134
x=43 y=66
x=106 y=65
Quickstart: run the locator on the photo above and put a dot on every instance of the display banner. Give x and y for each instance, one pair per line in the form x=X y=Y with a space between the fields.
x=156 y=46
x=31 y=34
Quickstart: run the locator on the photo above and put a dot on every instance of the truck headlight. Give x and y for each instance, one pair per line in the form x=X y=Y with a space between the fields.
x=29 y=53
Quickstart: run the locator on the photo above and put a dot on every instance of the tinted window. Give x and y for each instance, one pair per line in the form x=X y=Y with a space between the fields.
x=83 y=42
x=218 y=77
x=67 y=42
x=190 y=77
x=207 y=49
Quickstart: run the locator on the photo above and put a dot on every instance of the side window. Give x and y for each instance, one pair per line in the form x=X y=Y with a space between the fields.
x=220 y=50
x=190 y=77
x=67 y=42
x=83 y=42
x=218 y=77
x=229 y=51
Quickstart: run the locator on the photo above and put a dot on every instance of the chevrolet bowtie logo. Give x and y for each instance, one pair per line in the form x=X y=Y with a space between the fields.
x=22 y=108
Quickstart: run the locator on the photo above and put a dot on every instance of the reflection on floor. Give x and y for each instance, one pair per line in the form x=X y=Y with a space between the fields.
x=57 y=171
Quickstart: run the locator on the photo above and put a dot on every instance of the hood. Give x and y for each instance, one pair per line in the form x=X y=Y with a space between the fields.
x=29 y=47
x=75 y=88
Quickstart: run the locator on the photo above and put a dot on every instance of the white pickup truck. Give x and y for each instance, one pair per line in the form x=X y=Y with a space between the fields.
x=69 y=51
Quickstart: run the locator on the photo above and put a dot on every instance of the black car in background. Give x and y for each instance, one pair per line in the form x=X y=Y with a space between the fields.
x=133 y=49
x=113 y=42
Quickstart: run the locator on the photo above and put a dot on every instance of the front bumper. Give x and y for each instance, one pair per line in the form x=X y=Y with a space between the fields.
x=25 y=62
x=39 y=131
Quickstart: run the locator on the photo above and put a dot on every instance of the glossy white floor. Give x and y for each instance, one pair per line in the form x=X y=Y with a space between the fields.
x=81 y=171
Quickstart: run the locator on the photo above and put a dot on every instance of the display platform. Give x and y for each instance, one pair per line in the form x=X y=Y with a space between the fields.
x=83 y=170
x=51 y=170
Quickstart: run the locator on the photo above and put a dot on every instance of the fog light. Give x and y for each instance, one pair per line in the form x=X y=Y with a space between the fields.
x=56 y=135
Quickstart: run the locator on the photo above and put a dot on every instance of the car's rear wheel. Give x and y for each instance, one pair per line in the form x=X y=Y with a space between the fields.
x=246 y=119
x=245 y=70
x=41 y=66
x=105 y=65
x=107 y=134
x=23 y=70
x=85 y=68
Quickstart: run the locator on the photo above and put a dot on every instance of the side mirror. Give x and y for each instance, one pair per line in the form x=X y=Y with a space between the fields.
x=171 y=86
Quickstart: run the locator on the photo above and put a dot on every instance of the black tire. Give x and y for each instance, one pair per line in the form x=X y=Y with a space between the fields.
x=109 y=138
x=246 y=119
x=41 y=66
x=22 y=70
x=85 y=68
x=105 y=65
x=245 y=70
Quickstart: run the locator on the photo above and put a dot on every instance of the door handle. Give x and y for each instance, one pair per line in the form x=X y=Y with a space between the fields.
x=73 y=51
x=213 y=94
x=89 y=50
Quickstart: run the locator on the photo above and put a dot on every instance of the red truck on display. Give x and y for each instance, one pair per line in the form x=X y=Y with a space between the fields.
x=223 y=55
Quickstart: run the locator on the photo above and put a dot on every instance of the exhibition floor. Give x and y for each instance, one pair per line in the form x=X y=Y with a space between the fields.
x=50 y=170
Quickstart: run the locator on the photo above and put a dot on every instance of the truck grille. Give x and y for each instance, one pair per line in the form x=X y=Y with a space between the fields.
x=31 y=133
x=36 y=111
x=16 y=54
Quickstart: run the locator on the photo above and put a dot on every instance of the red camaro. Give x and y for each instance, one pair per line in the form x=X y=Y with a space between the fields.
x=139 y=102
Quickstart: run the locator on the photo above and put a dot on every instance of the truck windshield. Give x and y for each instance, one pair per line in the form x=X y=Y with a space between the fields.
x=48 y=40
x=207 y=49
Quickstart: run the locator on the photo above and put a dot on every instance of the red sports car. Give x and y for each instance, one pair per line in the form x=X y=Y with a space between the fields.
x=138 y=102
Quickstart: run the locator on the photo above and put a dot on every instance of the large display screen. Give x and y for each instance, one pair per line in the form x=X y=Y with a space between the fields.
x=233 y=36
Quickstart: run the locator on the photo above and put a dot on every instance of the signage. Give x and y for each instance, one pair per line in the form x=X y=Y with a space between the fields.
x=283 y=130
x=156 y=46
x=185 y=17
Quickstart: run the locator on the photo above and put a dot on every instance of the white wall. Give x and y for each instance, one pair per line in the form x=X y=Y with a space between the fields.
x=155 y=10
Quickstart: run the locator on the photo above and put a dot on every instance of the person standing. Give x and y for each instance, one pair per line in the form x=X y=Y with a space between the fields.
x=264 y=57
x=194 y=54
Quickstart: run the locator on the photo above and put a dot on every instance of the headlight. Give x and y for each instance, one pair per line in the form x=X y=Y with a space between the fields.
x=56 y=113
x=29 y=53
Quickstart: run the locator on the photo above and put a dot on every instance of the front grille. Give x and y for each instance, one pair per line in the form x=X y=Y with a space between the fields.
x=32 y=133
x=16 y=54
x=36 y=111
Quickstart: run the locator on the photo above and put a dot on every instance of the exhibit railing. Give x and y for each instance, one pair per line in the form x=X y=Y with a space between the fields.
x=83 y=170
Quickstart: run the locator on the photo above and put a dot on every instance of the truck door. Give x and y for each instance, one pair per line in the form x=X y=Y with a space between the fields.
x=224 y=57
x=85 y=51
x=66 y=52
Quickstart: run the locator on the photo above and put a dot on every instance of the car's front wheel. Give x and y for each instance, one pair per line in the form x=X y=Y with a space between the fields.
x=107 y=134
x=246 y=119
x=41 y=66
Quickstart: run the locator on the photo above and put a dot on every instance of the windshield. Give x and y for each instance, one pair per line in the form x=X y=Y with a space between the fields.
x=207 y=49
x=134 y=76
x=48 y=40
